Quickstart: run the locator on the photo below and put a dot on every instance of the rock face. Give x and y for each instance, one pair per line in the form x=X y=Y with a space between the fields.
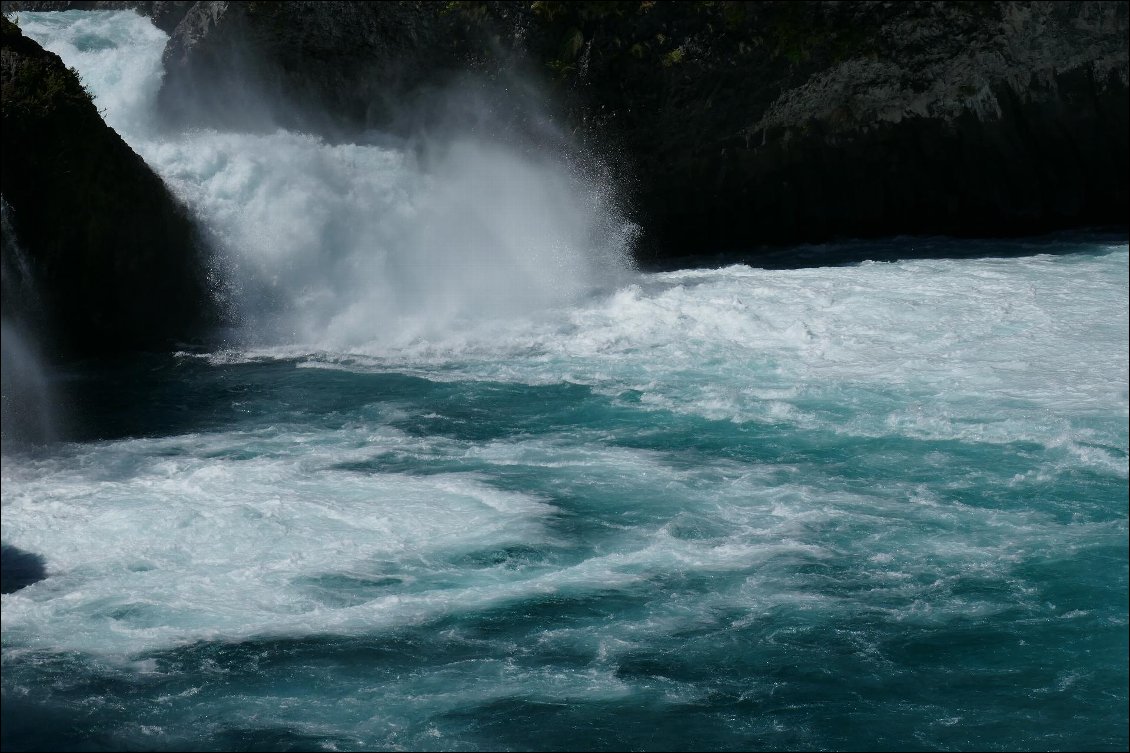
x=783 y=122
x=114 y=256
x=732 y=124
x=321 y=65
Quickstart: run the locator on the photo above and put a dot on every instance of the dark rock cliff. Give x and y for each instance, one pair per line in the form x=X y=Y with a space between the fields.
x=115 y=258
x=732 y=124
x=751 y=123
x=863 y=119
x=741 y=124
x=331 y=67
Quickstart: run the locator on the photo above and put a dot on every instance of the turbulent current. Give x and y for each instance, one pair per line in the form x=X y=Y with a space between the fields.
x=462 y=479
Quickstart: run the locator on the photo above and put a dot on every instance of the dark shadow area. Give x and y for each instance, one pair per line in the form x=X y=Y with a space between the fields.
x=19 y=569
x=154 y=394
x=900 y=248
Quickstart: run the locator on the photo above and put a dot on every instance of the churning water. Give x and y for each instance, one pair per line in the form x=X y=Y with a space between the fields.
x=465 y=481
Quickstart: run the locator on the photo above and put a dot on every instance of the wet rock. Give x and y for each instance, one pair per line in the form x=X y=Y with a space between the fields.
x=19 y=569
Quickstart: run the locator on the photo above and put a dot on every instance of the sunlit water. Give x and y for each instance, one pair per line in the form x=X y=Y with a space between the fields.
x=875 y=506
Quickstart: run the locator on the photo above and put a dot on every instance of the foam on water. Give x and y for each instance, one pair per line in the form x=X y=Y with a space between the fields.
x=224 y=539
x=503 y=498
x=958 y=342
x=225 y=528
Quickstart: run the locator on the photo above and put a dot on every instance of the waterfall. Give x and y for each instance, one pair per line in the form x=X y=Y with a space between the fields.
x=371 y=244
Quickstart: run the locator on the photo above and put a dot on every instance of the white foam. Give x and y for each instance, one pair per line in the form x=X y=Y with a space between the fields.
x=124 y=87
x=152 y=543
x=471 y=261
x=145 y=548
x=339 y=245
x=990 y=350
x=155 y=542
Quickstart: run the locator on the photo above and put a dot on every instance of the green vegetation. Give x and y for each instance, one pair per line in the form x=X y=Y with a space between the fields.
x=36 y=87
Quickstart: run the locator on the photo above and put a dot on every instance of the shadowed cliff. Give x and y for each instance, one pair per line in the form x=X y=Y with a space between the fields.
x=115 y=258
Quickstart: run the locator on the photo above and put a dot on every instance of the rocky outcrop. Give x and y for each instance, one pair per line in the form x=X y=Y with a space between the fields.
x=330 y=67
x=730 y=124
x=19 y=569
x=784 y=122
x=114 y=257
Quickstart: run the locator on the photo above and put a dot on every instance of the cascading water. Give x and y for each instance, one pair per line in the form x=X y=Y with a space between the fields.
x=464 y=482
x=333 y=246
x=347 y=245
